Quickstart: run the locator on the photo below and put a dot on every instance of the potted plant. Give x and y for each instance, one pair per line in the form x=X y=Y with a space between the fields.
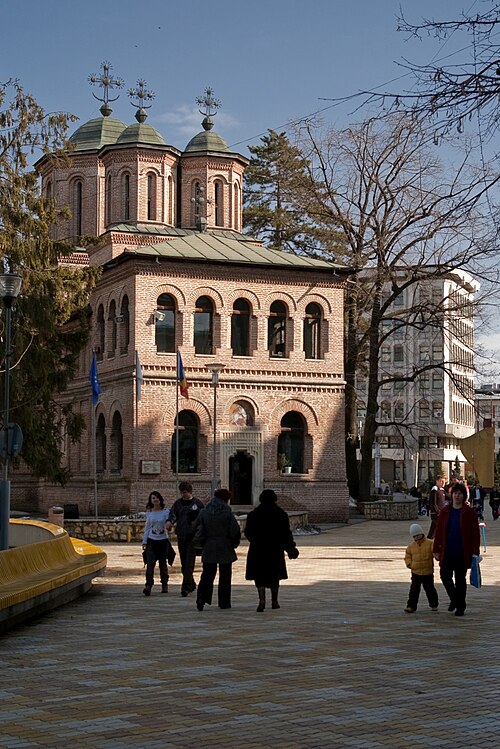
x=284 y=463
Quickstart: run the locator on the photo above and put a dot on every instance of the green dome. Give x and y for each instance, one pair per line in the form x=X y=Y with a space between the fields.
x=141 y=132
x=207 y=141
x=95 y=134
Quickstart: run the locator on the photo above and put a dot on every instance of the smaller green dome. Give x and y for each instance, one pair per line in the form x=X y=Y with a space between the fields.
x=141 y=132
x=95 y=134
x=207 y=141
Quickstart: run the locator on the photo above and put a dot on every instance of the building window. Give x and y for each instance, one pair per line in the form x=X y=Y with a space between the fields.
x=437 y=380
x=424 y=410
x=219 y=207
x=100 y=444
x=151 y=206
x=126 y=197
x=312 y=332
x=78 y=208
x=424 y=354
x=113 y=328
x=124 y=326
x=101 y=335
x=185 y=443
x=203 y=326
x=399 y=410
x=398 y=353
x=276 y=329
x=48 y=190
x=165 y=324
x=385 y=409
x=197 y=198
x=291 y=440
x=116 y=446
x=437 y=353
x=240 y=328
x=236 y=222
x=437 y=410
x=241 y=414
x=109 y=198
x=385 y=354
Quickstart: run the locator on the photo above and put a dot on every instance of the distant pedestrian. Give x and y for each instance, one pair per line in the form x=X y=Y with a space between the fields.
x=268 y=530
x=155 y=542
x=494 y=502
x=437 y=500
x=419 y=559
x=184 y=514
x=457 y=539
x=218 y=534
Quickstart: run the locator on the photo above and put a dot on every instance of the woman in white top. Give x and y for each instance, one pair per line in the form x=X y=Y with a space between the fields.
x=155 y=542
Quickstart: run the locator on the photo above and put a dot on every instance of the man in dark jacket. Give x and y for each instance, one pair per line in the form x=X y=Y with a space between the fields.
x=437 y=500
x=184 y=514
x=457 y=539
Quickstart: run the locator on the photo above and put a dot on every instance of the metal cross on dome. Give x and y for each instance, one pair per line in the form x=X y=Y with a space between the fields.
x=210 y=103
x=142 y=94
x=106 y=81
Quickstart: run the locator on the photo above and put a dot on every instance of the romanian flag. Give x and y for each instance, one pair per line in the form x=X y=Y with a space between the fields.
x=181 y=379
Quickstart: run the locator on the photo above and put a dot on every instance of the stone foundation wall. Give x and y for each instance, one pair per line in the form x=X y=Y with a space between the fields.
x=402 y=509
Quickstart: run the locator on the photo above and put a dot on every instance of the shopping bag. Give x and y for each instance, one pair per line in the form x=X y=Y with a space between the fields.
x=475 y=572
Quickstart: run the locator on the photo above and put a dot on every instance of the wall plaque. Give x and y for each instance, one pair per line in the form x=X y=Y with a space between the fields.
x=150 y=466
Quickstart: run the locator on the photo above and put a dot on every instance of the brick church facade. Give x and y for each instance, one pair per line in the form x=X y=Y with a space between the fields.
x=179 y=274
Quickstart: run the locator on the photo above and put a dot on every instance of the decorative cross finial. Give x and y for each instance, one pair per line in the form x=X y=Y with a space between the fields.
x=210 y=104
x=142 y=94
x=106 y=82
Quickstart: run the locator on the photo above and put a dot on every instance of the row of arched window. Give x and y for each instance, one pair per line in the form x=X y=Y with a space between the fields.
x=243 y=328
x=118 y=202
x=113 y=331
x=186 y=439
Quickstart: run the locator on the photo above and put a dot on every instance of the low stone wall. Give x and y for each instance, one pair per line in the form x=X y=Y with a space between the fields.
x=108 y=529
x=401 y=509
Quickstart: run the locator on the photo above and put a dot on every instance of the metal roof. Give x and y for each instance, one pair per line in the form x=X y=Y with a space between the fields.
x=207 y=247
x=94 y=134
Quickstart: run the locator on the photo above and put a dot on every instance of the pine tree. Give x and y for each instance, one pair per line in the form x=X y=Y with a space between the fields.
x=50 y=323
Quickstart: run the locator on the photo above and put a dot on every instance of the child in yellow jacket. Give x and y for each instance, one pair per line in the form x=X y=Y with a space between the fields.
x=419 y=559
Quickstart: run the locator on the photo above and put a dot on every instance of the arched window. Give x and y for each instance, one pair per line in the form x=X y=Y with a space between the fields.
x=291 y=441
x=124 y=326
x=276 y=329
x=116 y=446
x=100 y=444
x=109 y=197
x=236 y=207
x=240 y=328
x=165 y=324
x=197 y=201
x=170 y=200
x=113 y=328
x=101 y=335
x=48 y=190
x=151 y=196
x=399 y=410
x=185 y=443
x=203 y=325
x=78 y=208
x=126 y=197
x=312 y=332
x=219 y=207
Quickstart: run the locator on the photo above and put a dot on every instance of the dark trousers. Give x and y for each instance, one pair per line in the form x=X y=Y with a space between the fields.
x=434 y=522
x=187 y=553
x=452 y=566
x=427 y=581
x=206 y=584
x=156 y=551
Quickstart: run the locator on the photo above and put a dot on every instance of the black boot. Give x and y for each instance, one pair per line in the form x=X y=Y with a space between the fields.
x=274 y=598
x=262 y=599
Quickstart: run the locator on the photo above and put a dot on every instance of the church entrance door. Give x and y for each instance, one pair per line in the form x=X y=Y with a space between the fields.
x=241 y=478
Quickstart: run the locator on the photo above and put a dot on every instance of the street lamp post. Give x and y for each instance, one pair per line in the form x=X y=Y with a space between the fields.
x=215 y=368
x=10 y=286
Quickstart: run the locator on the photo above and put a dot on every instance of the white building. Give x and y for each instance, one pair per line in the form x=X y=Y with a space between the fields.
x=428 y=332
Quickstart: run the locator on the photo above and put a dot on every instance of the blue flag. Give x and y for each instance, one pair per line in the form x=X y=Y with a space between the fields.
x=94 y=380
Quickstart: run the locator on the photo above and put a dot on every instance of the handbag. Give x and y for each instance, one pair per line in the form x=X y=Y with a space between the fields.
x=475 y=572
x=170 y=553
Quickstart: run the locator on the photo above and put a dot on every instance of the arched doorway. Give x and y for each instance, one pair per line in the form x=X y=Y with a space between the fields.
x=241 y=478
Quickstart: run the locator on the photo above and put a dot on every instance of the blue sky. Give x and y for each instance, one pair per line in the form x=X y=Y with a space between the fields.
x=268 y=61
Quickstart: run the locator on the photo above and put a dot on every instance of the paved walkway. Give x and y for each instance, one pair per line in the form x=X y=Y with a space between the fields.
x=339 y=665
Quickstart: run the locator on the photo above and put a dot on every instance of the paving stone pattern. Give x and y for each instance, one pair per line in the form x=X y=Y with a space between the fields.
x=339 y=665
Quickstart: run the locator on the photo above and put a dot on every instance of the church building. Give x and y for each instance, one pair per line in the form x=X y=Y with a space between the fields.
x=258 y=333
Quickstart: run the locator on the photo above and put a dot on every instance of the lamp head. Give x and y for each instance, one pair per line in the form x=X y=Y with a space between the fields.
x=10 y=286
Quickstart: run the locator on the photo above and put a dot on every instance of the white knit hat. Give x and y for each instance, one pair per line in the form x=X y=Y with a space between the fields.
x=416 y=530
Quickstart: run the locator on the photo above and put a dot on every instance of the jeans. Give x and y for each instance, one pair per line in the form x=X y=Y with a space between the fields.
x=206 y=584
x=453 y=566
x=156 y=551
x=187 y=553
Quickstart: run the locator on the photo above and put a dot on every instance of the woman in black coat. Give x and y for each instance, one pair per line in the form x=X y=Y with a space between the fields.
x=268 y=530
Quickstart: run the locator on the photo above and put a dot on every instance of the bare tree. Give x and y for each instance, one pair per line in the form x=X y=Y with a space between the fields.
x=405 y=222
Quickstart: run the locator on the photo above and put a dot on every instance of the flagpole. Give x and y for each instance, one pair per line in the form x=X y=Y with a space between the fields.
x=136 y=450
x=177 y=423
x=94 y=460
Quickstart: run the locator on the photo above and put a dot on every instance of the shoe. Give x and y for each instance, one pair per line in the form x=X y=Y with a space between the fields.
x=199 y=605
x=459 y=612
x=409 y=610
x=147 y=590
x=275 y=605
x=184 y=593
x=261 y=607
x=164 y=588
x=192 y=588
x=225 y=607
x=451 y=607
x=434 y=608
